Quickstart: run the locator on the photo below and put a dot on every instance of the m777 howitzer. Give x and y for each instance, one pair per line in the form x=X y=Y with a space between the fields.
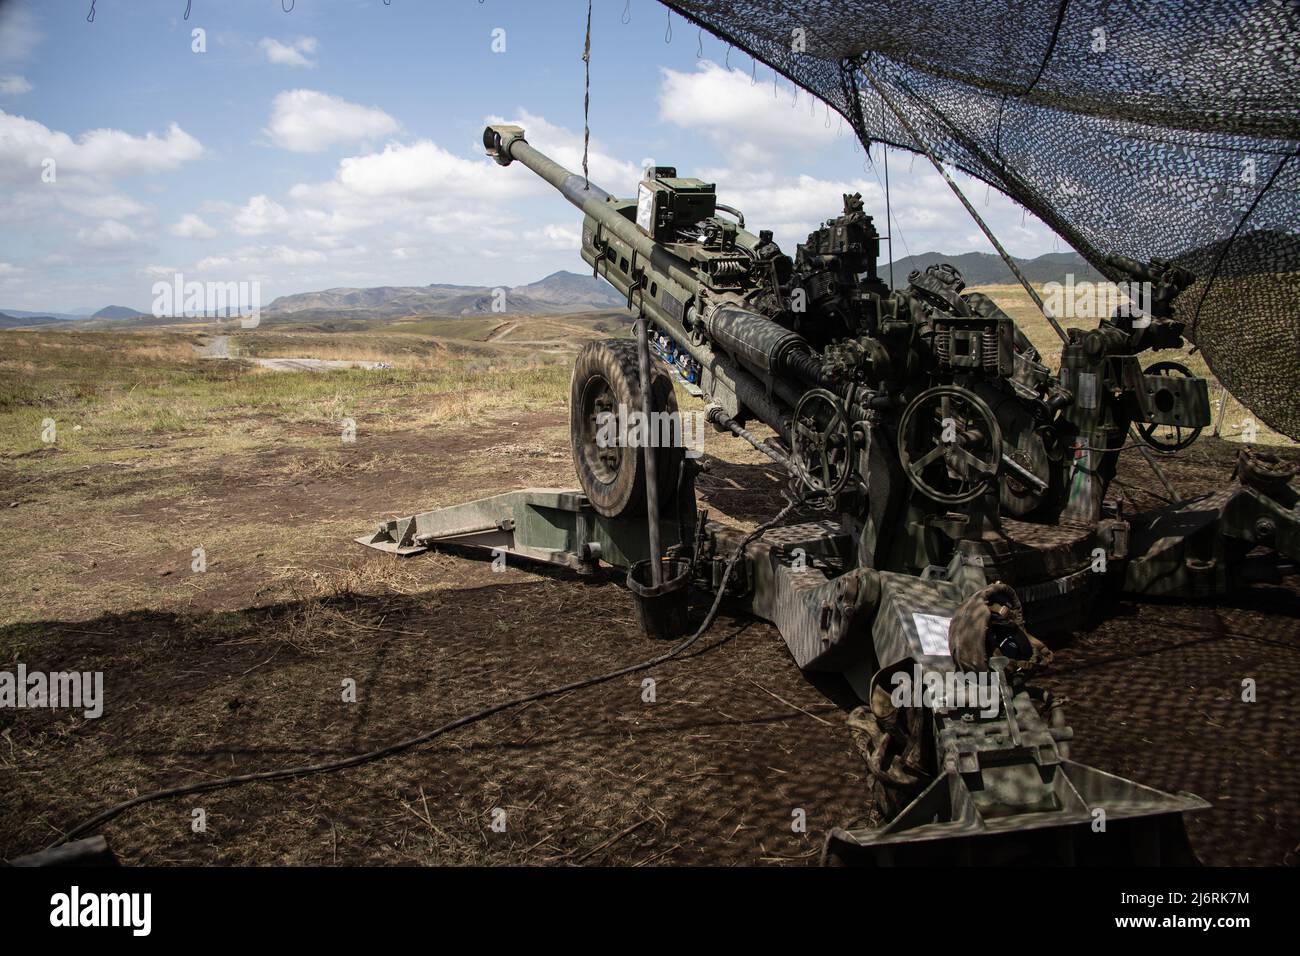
x=959 y=495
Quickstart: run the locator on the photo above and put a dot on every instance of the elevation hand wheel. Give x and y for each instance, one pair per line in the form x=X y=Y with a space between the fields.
x=1167 y=437
x=950 y=444
x=821 y=441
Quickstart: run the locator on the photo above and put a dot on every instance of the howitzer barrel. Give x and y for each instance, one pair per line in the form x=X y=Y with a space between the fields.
x=759 y=344
x=506 y=144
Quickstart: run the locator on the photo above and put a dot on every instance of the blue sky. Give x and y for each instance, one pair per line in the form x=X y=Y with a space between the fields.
x=339 y=144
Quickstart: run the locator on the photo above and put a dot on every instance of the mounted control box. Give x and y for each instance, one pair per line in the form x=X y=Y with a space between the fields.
x=665 y=203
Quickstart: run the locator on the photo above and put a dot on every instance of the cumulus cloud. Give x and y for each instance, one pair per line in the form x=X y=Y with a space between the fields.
x=26 y=144
x=741 y=116
x=259 y=216
x=12 y=85
x=618 y=176
x=294 y=53
x=191 y=226
x=308 y=121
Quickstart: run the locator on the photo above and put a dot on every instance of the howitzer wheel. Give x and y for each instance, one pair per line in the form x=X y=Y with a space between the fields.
x=606 y=382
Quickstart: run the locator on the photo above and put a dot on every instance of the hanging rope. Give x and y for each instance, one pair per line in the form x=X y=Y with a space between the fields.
x=90 y=17
x=627 y=12
x=188 y=3
x=586 y=100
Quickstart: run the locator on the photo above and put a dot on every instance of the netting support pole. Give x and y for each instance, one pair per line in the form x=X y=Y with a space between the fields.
x=1006 y=257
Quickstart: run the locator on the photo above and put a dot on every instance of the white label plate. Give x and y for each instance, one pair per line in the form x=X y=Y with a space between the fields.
x=933 y=631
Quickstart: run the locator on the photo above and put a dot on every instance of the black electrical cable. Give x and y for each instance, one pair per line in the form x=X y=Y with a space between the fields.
x=288 y=773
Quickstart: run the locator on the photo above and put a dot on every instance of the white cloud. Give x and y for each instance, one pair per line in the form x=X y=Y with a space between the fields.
x=294 y=53
x=18 y=33
x=421 y=170
x=109 y=234
x=13 y=85
x=555 y=236
x=563 y=145
x=259 y=216
x=741 y=116
x=191 y=226
x=307 y=121
x=261 y=256
x=25 y=144
x=97 y=202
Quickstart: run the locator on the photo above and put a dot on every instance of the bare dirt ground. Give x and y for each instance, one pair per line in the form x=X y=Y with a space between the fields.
x=240 y=667
x=710 y=773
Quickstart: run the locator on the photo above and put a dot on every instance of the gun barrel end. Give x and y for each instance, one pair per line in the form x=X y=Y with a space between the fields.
x=497 y=140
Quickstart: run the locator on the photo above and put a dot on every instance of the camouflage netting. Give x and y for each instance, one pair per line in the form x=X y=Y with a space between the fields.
x=1165 y=128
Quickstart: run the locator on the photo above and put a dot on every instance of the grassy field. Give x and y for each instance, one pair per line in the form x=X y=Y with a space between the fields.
x=129 y=418
x=103 y=425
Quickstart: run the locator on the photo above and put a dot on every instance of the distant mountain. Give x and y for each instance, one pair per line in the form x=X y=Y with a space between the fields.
x=21 y=314
x=559 y=292
x=9 y=321
x=985 y=268
x=118 y=312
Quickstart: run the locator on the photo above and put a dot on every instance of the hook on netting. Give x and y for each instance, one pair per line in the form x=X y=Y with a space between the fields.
x=90 y=17
x=289 y=8
x=627 y=12
x=668 y=34
x=188 y=4
x=699 y=49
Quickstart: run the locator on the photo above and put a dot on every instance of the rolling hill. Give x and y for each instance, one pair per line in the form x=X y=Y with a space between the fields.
x=560 y=292
x=8 y=321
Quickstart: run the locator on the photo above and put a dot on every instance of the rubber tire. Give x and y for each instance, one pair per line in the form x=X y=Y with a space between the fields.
x=615 y=361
